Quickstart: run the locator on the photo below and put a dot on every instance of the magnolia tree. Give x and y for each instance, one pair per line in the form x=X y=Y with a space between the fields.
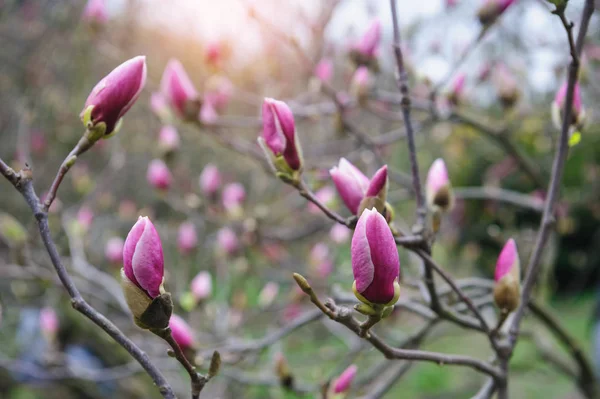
x=232 y=328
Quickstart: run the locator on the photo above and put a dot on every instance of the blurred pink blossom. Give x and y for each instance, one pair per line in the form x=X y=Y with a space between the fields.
x=49 y=322
x=201 y=286
x=159 y=175
x=339 y=233
x=227 y=241
x=95 y=12
x=187 y=239
x=113 y=250
x=324 y=70
x=210 y=179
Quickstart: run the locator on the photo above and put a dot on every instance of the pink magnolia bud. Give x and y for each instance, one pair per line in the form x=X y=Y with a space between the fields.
x=438 y=188
x=202 y=286
x=212 y=53
x=451 y=3
x=181 y=331
x=114 y=95
x=578 y=113
x=491 y=10
x=343 y=382
x=325 y=195
x=378 y=184
x=234 y=196
x=113 y=250
x=359 y=87
x=375 y=261
x=160 y=106
x=339 y=233
x=279 y=139
x=351 y=184
x=159 y=175
x=143 y=262
x=506 y=85
x=179 y=90
x=210 y=180
x=507 y=277
x=324 y=70
x=85 y=217
x=218 y=91
x=208 y=113
x=48 y=322
x=187 y=239
x=320 y=259
x=168 y=139
x=369 y=42
x=268 y=294
x=95 y=12
x=227 y=241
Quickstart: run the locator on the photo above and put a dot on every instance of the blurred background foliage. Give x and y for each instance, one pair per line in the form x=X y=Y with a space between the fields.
x=50 y=60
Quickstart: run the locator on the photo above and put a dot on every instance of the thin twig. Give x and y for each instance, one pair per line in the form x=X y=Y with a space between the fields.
x=402 y=82
x=555 y=180
x=197 y=380
x=24 y=184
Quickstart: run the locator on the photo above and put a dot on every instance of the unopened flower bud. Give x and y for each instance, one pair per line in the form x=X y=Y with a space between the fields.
x=351 y=184
x=268 y=294
x=491 y=10
x=208 y=114
x=227 y=241
x=112 y=97
x=210 y=180
x=376 y=194
x=438 y=188
x=159 y=175
x=179 y=91
x=142 y=276
x=324 y=70
x=320 y=260
x=279 y=140
x=85 y=217
x=182 y=333
x=160 y=106
x=168 y=140
x=558 y=107
x=507 y=288
x=187 y=239
x=339 y=233
x=95 y=13
x=364 y=51
x=375 y=261
x=49 y=323
x=506 y=86
x=218 y=91
x=342 y=384
x=282 y=369
x=360 y=85
x=113 y=251
x=212 y=53
x=234 y=196
x=202 y=286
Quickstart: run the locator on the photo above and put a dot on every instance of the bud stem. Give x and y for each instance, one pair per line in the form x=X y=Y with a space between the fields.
x=197 y=380
x=85 y=143
x=307 y=289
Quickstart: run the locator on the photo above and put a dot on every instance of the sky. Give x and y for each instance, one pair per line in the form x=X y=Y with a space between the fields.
x=453 y=29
